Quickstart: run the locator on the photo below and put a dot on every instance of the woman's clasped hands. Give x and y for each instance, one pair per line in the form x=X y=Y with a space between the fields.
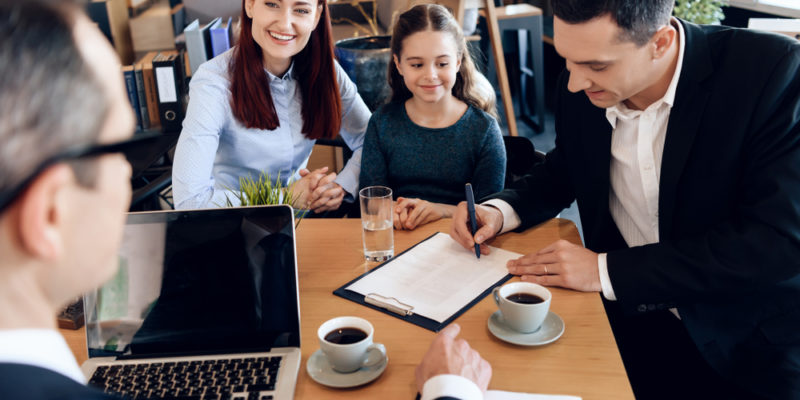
x=317 y=191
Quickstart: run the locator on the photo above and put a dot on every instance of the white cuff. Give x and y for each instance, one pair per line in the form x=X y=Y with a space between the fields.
x=450 y=386
x=510 y=218
x=605 y=280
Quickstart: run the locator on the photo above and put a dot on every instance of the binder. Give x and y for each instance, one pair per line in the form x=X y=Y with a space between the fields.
x=198 y=42
x=221 y=37
x=144 y=116
x=133 y=95
x=150 y=91
x=214 y=24
x=398 y=309
x=169 y=83
x=178 y=19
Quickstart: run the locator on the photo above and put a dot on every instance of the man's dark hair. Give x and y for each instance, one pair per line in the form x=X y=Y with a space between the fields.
x=638 y=19
x=50 y=98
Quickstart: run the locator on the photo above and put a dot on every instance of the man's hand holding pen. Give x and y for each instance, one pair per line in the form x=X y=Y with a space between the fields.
x=489 y=220
x=560 y=264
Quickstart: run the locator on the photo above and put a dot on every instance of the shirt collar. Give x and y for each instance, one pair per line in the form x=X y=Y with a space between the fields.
x=43 y=348
x=621 y=111
x=287 y=76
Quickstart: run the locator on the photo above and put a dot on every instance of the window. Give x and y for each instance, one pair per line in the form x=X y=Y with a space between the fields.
x=785 y=8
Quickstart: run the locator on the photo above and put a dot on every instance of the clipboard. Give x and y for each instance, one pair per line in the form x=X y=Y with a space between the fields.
x=398 y=309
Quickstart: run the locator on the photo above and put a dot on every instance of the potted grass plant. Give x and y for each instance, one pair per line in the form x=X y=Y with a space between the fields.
x=700 y=11
x=263 y=191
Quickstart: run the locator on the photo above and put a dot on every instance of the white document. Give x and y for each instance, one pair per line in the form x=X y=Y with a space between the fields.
x=438 y=277
x=501 y=395
x=165 y=77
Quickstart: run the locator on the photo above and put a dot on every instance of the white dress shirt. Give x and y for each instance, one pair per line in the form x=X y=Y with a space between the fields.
x=450 y=386
x=637 y=145
x=43 y=348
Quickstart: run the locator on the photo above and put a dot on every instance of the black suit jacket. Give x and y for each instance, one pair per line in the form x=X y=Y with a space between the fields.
x=729 y=203
x=19 y=381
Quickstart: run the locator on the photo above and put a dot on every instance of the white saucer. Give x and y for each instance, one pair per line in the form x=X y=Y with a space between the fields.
x=552 y=328
x=321 y=371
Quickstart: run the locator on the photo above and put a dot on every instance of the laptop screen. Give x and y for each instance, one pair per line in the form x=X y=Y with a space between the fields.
x=199 y=282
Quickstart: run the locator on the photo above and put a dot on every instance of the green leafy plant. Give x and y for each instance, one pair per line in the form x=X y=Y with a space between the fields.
x=262 y=191
x=700 y=11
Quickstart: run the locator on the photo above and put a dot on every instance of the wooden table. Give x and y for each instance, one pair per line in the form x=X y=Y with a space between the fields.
x=583 y=362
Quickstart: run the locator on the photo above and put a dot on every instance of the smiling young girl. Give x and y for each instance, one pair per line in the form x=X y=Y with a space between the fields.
x=438 y=132
x=260 y=107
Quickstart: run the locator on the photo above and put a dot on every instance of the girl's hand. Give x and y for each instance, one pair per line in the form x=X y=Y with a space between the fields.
x=411 y=213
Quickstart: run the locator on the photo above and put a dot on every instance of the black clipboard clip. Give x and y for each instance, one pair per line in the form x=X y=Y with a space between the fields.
x=389 y=303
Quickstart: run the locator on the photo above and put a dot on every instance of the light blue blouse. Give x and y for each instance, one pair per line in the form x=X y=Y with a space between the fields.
x=215 y=149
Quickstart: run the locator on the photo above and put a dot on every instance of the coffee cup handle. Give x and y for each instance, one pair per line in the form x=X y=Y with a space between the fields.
x=496 y=294
x=376 y=353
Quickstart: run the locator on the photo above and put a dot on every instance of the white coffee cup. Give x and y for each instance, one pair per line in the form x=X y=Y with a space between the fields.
x=348 y=356
x=525 y=318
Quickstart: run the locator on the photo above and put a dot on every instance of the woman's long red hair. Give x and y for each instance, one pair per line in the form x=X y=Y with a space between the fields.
x=251 y=100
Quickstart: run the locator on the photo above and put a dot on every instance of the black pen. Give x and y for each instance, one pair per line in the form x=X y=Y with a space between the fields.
x=473 y=223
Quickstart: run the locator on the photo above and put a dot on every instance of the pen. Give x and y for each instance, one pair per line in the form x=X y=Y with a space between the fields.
x=473 y=223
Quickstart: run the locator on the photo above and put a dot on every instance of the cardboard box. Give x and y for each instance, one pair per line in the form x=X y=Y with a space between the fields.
x=111 y=17
x=153 y=29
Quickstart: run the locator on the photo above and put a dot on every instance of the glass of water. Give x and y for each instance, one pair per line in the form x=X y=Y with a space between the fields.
x=376 y=223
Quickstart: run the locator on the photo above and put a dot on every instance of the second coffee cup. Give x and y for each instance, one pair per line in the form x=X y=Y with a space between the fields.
x=347 y=344
x=524 y=305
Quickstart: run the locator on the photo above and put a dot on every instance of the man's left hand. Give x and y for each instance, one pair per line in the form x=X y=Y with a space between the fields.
x=562 y=264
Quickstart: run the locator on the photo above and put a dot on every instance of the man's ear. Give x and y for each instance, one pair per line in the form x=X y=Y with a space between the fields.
x=40 y=213
x=663 y=40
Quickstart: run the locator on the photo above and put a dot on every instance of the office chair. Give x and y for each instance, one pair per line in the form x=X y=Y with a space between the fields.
x=521 y=156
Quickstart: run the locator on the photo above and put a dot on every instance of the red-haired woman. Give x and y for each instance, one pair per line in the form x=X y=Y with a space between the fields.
x=260 y=107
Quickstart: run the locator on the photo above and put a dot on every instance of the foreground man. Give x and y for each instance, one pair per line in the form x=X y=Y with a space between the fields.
x=62 y=198
x=681 y=144
x=64 y=189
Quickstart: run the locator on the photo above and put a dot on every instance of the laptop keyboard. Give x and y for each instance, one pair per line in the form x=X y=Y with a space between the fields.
x=241 y=378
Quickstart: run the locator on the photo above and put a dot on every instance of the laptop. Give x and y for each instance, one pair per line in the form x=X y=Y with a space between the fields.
x=204 y=305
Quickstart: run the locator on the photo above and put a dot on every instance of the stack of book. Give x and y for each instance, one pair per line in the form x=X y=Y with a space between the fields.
x=156 y=90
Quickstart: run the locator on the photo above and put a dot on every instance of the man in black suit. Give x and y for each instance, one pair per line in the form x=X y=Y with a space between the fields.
x=61 y=213
x=683 y=152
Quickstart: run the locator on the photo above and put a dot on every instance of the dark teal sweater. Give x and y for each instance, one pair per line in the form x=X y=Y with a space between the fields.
x=433 y=164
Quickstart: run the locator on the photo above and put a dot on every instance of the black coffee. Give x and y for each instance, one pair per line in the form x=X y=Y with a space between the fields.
x=525 y=298
x=346 y=335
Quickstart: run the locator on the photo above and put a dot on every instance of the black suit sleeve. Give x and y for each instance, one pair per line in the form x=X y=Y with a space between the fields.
x=758 y=244
x=546 y=191
x=22 y=381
